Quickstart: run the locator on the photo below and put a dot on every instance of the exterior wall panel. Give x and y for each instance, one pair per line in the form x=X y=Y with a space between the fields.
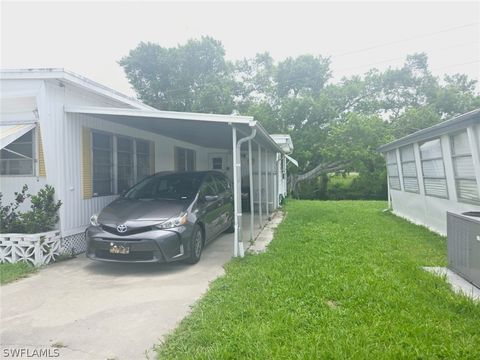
x=431 y=211
x=75 y=220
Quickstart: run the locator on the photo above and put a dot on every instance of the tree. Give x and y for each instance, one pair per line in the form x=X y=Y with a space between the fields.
x=190 y=77
x=334 y=126
x=306 y=74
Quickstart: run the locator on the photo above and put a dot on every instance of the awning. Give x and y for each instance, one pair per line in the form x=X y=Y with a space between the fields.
x=292 y=160
x=207 y=130
x=10 y=133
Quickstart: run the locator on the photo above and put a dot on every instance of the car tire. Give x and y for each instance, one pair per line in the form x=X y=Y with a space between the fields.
x=196 y=246
x=231 y=228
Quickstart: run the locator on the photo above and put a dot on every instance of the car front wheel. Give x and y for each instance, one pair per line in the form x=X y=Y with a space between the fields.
x=196 y=246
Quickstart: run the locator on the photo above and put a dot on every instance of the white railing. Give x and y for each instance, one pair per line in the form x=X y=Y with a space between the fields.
x=38 y=249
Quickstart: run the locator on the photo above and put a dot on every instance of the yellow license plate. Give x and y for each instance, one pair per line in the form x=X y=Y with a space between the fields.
x=119 y=249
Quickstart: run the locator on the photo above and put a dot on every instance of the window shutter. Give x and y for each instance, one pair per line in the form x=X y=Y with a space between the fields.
x=41 y=158
x=152 y=157
x=86 y=163
x=434 y=179
x=392 y=169
x=463 y=168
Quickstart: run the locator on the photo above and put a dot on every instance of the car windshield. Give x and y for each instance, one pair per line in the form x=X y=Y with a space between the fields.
x=171 y=187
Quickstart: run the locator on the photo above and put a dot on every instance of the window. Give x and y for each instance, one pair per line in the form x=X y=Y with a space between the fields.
x=125 y=174
x=143 y=159
x=102 y=160
x=434 y=179
x=409 y=169
x=17 y=158
x=392 y=169
x=208 y=187
x=184 y=159
x=171 y=186
x=463 y=169
x=217 y=163
x=118 y=162
x=222 y=183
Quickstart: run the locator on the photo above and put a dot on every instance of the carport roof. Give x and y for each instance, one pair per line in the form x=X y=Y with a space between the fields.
x=207 y=130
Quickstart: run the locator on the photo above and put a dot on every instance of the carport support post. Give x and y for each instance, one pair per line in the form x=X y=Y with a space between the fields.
x=250 y=193
x=260 y=185
x=266 y=184
x=237 y=186
x=275 y=182
x=235 y=193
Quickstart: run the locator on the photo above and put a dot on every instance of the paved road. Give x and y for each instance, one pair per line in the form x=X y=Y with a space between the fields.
x=95 y=310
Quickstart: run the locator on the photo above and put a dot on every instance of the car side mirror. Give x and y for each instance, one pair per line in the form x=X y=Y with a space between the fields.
x=210 y=198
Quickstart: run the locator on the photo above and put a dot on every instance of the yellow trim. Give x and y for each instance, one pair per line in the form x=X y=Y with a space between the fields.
x=87 y=163
x=152 y=157
x=41 y=157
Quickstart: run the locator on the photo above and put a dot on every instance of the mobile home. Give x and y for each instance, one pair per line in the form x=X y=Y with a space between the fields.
x=436 y=170
x=91 y=143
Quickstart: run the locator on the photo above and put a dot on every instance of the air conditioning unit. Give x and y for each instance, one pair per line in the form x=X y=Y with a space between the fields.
x=463 y=232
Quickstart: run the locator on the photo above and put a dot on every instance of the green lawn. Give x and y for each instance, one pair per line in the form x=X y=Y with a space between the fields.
x=12 y=272
x=340 y=280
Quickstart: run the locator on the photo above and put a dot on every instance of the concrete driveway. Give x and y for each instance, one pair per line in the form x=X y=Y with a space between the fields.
x=94 y=310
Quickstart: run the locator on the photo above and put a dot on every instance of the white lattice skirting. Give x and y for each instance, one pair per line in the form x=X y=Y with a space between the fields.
x=38 y=249
x=74 y=244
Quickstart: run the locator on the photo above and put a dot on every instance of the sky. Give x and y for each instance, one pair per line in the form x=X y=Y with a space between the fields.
x=90 y=37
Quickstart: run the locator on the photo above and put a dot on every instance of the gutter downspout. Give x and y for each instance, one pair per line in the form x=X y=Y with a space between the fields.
x=238 y=242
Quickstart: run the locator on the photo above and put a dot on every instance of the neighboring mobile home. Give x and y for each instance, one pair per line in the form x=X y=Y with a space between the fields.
x=92 y=143
x=436 y=170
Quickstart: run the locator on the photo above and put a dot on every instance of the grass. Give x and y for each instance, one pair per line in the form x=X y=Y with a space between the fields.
x=12 y=272
x=342 y=181
x=340 y=280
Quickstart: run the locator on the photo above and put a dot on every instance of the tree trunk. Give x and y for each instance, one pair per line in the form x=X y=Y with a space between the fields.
x=319 y=170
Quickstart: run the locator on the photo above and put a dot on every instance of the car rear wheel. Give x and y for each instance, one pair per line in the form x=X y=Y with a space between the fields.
x=231 y=228
x=196 y=246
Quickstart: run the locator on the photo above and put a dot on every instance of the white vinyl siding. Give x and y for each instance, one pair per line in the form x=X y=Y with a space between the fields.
x=463 y=169
x=18 y=157
x=409 y=169
x=434 y=178
x=392 y=169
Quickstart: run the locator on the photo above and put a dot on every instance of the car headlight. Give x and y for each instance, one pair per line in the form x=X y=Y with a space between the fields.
x=173 y=222
x=94 y=220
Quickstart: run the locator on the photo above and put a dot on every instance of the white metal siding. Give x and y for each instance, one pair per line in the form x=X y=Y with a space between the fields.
x=61 y=135
x=80 y=210
x=431 y=211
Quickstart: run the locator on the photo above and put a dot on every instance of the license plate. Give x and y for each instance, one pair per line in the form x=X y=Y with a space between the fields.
x=119 y=249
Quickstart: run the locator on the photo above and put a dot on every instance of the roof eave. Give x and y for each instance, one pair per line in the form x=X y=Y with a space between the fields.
x=451 y=125
x=73 y=78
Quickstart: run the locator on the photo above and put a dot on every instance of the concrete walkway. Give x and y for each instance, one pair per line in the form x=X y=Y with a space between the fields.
x=95 y=310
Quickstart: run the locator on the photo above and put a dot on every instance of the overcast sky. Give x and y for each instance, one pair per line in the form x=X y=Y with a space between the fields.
x=90 y=37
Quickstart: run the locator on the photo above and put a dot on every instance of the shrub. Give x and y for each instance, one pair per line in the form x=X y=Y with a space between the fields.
x=9 y=215
x=363 y=186
x=42 y=216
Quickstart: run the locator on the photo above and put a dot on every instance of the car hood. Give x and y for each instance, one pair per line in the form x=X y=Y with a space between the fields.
x=140 y=212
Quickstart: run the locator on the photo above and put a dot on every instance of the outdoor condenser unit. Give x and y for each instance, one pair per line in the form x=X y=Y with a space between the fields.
x=463 y=231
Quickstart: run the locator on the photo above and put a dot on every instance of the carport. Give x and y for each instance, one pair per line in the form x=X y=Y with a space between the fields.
x=243 y=137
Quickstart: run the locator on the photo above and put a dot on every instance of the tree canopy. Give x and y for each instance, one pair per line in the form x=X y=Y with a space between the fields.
x=329 y=122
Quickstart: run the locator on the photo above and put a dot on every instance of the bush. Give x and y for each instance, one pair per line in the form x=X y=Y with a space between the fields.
x=363 y=186
x=42 y=216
